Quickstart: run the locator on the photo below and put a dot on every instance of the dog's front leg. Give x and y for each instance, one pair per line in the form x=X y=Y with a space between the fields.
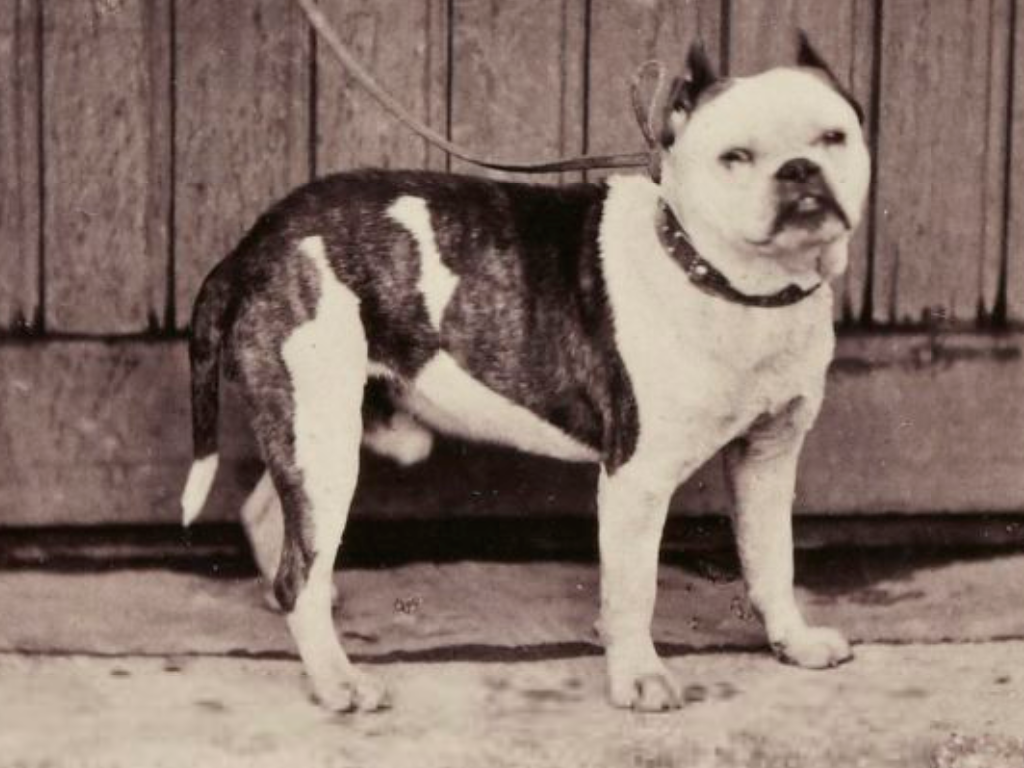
x=631 y=514
x=762 y=473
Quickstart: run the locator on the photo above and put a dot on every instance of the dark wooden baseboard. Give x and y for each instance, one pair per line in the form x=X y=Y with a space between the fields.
x=97 y=433
x=221 y=548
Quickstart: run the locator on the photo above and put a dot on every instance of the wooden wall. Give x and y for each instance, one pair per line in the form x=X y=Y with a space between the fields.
x=139 y=139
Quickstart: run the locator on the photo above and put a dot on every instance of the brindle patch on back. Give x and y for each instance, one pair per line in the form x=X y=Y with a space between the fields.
x=528 y=317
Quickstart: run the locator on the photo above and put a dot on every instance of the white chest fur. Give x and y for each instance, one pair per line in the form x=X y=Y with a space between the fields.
x=702 y=368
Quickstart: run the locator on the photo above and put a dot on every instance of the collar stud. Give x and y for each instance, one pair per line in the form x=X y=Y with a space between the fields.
x=707 y=278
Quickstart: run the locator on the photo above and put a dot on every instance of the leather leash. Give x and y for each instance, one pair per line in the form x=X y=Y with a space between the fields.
x=362 y=76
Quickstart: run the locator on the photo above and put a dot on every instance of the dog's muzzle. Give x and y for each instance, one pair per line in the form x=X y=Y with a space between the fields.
x=805 y=199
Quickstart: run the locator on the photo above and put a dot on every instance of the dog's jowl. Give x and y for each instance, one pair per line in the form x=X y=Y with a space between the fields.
x=641 y=325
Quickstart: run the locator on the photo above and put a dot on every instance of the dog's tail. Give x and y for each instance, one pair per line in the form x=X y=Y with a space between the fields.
x=204 y=347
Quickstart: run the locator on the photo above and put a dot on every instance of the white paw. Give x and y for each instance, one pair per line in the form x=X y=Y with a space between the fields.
x=813 y=648
x=353 y=691
x=646 y=688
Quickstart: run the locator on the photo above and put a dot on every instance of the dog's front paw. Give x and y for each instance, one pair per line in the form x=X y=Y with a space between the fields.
x=354 y=691
x=813 y=648
x=646 y=688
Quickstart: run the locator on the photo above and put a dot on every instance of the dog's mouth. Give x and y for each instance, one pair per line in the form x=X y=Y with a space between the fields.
x=808 y=210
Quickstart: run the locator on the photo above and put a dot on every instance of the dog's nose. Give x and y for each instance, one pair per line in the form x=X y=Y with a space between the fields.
x=799 y=170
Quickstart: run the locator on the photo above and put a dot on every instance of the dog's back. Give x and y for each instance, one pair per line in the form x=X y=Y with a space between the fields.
x=504 y=279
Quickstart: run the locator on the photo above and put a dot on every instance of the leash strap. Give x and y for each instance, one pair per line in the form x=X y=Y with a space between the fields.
x=391 y=104
x=707 y=278
x=646 y=112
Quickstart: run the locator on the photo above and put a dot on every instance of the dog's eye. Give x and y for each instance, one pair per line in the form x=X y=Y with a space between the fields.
x=833 y=138
x=736 y=155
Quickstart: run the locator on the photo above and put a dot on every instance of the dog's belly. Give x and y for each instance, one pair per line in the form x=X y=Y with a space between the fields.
x=449 y=400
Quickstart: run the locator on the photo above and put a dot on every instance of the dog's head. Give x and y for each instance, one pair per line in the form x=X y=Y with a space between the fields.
x=773 y=165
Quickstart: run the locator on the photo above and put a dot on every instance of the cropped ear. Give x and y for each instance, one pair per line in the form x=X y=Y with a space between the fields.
x=700 y=74
x=808 y=56
x=685 y=91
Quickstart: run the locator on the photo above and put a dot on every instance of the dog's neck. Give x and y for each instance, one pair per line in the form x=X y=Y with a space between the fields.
x=651 y=284
x=706 y=275
x=750 y=271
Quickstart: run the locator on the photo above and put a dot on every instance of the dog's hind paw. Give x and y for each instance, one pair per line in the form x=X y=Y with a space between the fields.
x=355 y=692
x=813 y=648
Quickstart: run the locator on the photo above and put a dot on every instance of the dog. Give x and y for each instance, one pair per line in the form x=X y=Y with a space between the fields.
x=638 y=324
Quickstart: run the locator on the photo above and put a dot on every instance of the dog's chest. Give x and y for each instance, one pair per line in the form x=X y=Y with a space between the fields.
x=703 y=370
x=714 y=388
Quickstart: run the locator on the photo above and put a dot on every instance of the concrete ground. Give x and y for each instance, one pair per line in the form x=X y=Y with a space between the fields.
x=496 y=664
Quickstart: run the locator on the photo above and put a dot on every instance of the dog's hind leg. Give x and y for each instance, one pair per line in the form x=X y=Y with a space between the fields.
x=387 y=431
x=263 y=522
x=316 y=378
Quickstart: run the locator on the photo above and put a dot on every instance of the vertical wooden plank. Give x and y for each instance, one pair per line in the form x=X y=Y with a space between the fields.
x=517 y=79
x=625 y=34
x=106 y=150
x=242 y=125
x=19 y=164
x=404 y=43
x=935 y=170
x=994 y=210
x=1014 y=255
x=763 y=35
x=159 y=189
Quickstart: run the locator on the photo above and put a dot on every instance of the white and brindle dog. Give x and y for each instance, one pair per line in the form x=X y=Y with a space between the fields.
x=643 y=326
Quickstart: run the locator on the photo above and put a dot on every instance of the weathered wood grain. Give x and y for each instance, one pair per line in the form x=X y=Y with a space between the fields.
x=517 y=79
x=106 y=149
x=625 y=34
x=242 y=125
x=19 y=164
x=404 y=44
x=999 y=81
x=99 y=433
x=938 y=172
x=763 y=35
x=1014 y=288
x=918 y=424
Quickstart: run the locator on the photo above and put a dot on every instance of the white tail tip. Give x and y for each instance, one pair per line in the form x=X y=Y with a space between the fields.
x=197 y=488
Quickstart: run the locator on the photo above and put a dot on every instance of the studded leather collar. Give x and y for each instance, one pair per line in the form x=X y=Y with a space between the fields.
x=708 y=279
